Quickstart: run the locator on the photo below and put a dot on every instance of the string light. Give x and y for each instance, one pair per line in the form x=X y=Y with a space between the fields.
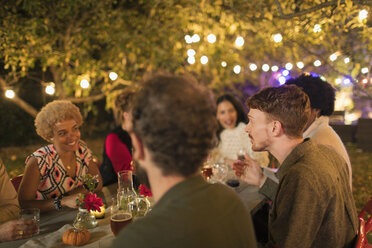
x=277 y=38
x=237 y=69
x=363 y=14
x=317 y=28
x=223 y=64
x=50 y=90
x=191 y=52
x=191 y=60
x=364 y=81
x=195 y=38
x=10 y=94
x=333 y=57
x=346 y=60
x=204 y=60
x=113 y=76
x=253 y=67
x=188 y=39
x=346 y=81
x=338 y=81
x=265 y=67
x=300 y=65
x=282 y=80
x=84 y=84
x=317 y=63
x=364 y=70
x=288 y=66
x=239 y=42
x=285 y=73
x=211 y=38
x=274 y=68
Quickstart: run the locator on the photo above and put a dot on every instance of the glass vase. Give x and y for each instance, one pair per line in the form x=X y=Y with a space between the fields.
x=85 y=220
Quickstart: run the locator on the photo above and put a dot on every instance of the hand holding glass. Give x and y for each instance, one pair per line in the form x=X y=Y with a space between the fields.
x=31 y=214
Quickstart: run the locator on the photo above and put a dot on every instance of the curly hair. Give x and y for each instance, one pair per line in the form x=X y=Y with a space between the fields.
x=321 y=93
x=53 y=112
x=287 y=104
x=123 y=103
x=176 y=120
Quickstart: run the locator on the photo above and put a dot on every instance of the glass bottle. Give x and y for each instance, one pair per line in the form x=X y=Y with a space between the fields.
x=85 y=220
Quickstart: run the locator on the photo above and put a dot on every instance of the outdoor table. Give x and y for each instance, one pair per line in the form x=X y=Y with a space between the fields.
x=53 y=224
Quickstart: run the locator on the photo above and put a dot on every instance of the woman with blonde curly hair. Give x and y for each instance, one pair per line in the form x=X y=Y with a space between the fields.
x=54 y=173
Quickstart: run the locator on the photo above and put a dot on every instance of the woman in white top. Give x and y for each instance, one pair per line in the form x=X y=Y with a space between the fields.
x=232 y=138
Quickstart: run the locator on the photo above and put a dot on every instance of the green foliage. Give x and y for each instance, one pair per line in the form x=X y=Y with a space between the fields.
x=76 y=39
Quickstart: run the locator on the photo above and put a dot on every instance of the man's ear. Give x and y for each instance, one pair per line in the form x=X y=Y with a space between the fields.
x=277 y=128
x=138 y=153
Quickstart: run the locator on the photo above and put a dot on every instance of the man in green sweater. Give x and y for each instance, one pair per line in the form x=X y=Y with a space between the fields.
x=174 y=125
x=313 y=205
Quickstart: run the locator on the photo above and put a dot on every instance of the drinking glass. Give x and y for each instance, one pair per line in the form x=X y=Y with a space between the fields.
x=121 y=216
x=207 y=172
x=242 y=151
x=31 y=214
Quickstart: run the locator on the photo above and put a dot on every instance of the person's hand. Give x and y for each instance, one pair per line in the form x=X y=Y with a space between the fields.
x=249 y=171
x=17 y=229
x=70 y=201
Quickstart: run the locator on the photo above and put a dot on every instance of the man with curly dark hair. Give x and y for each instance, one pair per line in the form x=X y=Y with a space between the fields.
x=322 y=102
x=174 y=124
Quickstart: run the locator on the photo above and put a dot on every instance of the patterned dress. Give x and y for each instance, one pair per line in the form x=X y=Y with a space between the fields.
x=54 y=180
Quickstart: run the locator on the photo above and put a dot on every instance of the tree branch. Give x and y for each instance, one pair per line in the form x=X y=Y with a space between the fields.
x=317 y=7
x=279 y=7
x=18 y=101
x=85 y=99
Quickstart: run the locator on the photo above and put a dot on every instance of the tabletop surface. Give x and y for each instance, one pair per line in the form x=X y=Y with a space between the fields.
x=53 y=224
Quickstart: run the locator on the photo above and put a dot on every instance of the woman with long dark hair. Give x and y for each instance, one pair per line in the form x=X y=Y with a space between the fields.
x=233 y=140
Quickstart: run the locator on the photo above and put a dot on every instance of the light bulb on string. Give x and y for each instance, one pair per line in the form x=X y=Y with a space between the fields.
x=285 y=73
x=265 y=67
x=277 y=38
x=363 y=14
x=211 y=38
x=274 y=68
x=364 y=81
x=237 y=69
x=239 y=42
x=364 y=70
x=204 y=60
x=253 y=67
x=317 y=28
x=191 y=60
x=346 y=81
x=49 y=89
x=282 y=80
x=188 y=39
x=84 y=84
x=338 y=81
x=10 y=94
x=113 y=76
x=195 y=38
x=346 y=60
x=300 y=65
x=333 y=57
x=288 y=66
x=191 y=52
x=223 y=64
x=317 y=63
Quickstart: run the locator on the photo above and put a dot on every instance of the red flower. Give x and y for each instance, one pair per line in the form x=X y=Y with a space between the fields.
x=92 y=202
x=144 y=190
